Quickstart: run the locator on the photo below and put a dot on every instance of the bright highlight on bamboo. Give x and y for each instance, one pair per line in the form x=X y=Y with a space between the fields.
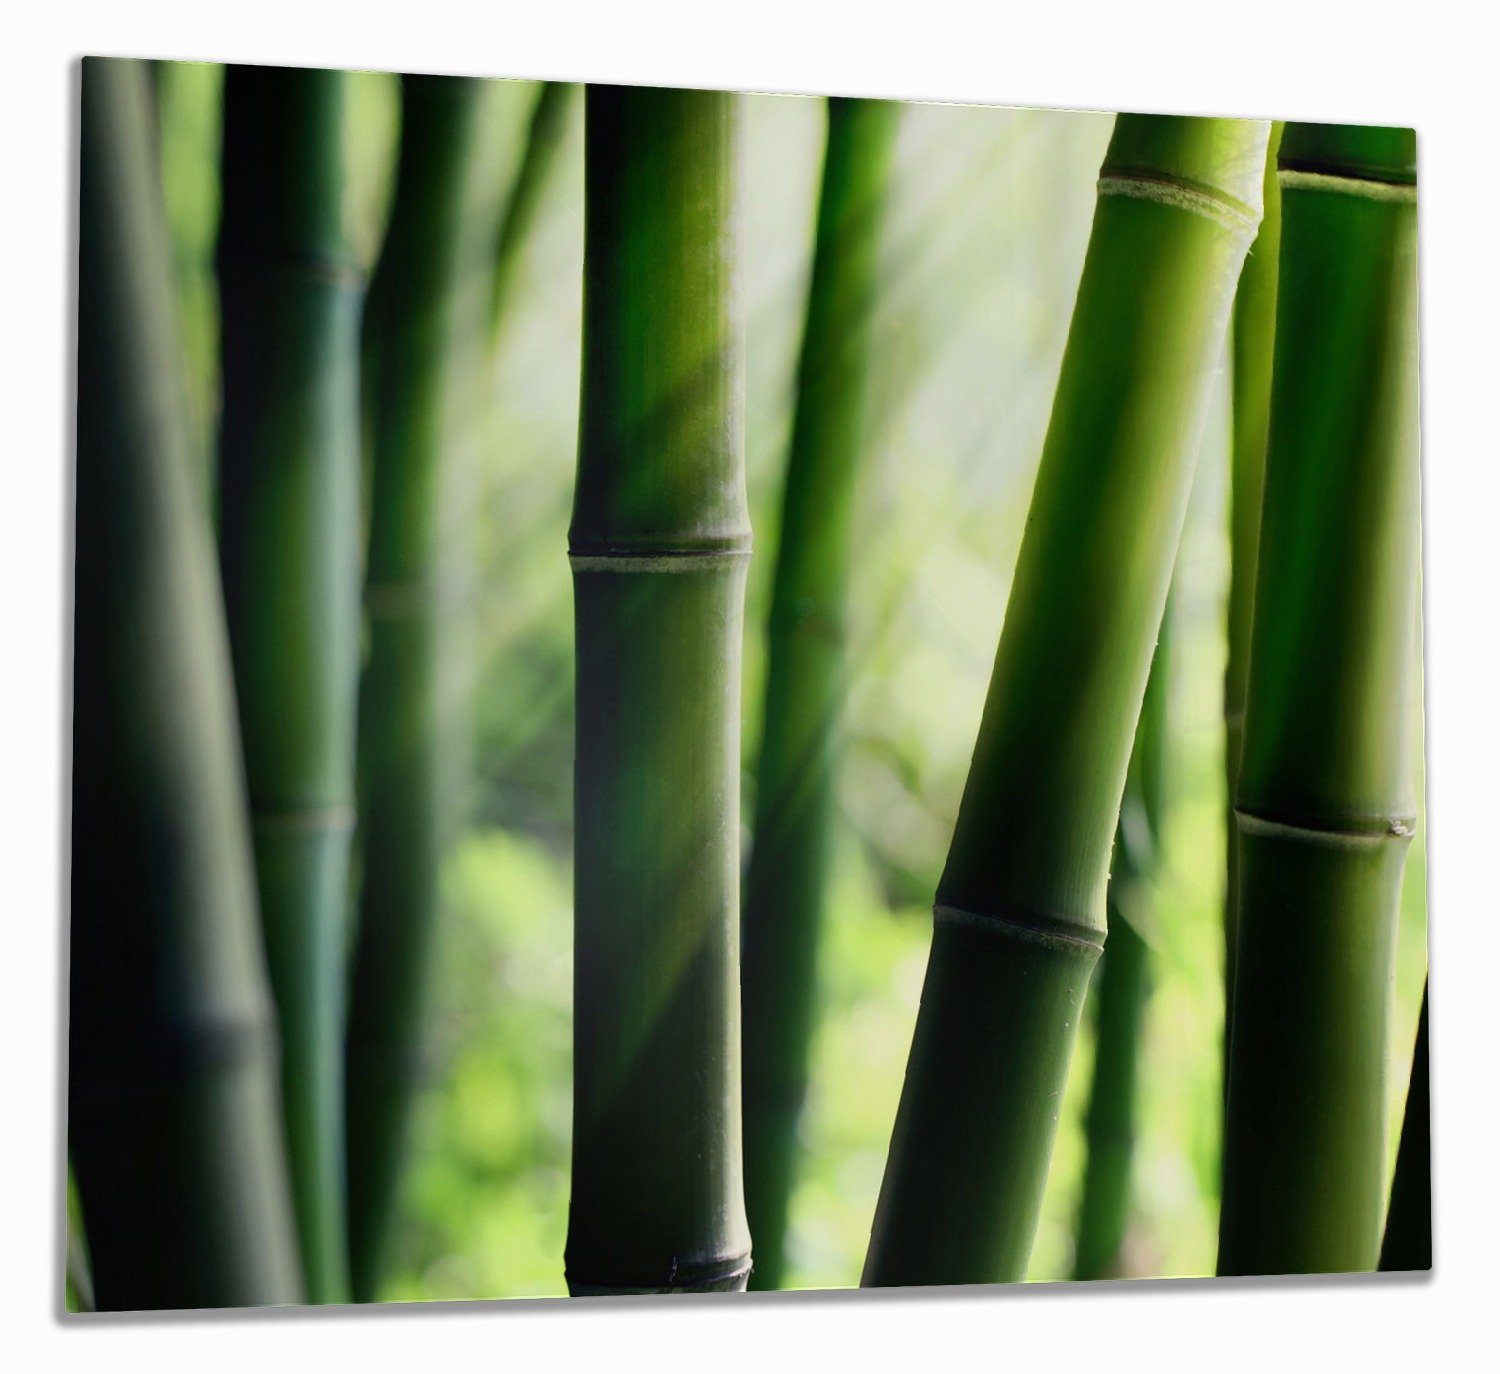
x=659 y=543
x=289 y=547
x=1326 y=800
x=174 y=1123
x=806 y=674
x=409 y=329
x=1021 y=906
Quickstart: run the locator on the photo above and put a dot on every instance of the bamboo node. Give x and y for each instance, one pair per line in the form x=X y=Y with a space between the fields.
x=698 y=560
x=1057 y=932
x=1387 y=192
x=304 y=818
x=1223 y=210
x=1347 y=831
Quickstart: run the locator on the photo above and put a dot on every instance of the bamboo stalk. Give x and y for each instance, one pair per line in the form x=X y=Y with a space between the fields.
x=289 y=490
x=1408 y=1223
x=549 y=122
x=1326 y=803
x=409 y=329
x=1021 y=906
x=1122 y=986
x=174 y=1125
x=1251 y=348
x=806 y=674
x=659 y=543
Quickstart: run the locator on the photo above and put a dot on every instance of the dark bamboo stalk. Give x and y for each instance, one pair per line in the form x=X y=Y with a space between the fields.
x=409 y=339
x=1122 y=986
x=659 y=543
x=1021 y=906
x=1251 y=348
x=174 y=1123
x=289 y=492
x=549 y=122
x=805 y=676
x=1408 y=1221
x=1326 y=802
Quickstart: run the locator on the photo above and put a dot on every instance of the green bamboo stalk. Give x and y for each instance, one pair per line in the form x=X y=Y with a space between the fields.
x=1325 y=804
x=1408 y=1222
x=1251 y=347
x=289 y=517
x=174 y=1125
x=409 y=339
x=806 y=675
x=1122 y=986
x=549 y=122
x=659 y=543
x=1020 y=909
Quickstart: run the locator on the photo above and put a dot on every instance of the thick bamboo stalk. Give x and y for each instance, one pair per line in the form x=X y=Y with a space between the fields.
x=289 y=496
x=1122 y=986
x=805 y=676
x=1251 y=347
x=1020 y=909
x=174 y=1122
x=659 y=543
x=549 y=122
x=409 y=336
x=1326 y=804
x=1408 y=1222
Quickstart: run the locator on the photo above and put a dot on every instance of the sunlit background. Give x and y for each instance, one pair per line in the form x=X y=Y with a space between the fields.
x=983 y=246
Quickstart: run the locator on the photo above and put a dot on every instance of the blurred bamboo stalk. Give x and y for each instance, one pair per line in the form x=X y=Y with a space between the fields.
x=659 y=543
x=289 y=497
x=174 y=1122
x=409 y=341
x=544 y=135
x=1122 y=984
x=1325 y=805
x=1252 y=344
x=1021 y=906
x=806 y=674
x=1408 y=1223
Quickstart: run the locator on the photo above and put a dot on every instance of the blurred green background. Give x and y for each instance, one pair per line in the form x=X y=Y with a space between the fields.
x=982 y=250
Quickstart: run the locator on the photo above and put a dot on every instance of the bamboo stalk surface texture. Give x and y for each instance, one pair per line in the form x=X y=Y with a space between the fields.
x=1408 y=1222
x=1020 y=909
x=806 y=674
x=289 y=548
x=1122 y=986
x=174 y=1122
x=659 y=542
x=1251 y=348
x=1326 y=800
x=409 y=336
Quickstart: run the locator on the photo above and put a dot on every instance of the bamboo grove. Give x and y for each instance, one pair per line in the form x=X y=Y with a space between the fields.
x=265 y=785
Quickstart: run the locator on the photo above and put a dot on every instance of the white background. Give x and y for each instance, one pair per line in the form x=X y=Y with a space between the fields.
x=1426 y=65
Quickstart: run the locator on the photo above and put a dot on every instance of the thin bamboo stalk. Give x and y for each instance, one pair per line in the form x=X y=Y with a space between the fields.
x=1021 y=906
x=1408 y=1222
x=409 y=339
x=174 y=1125
x=289 y=492
x=1122 y=986
x=1251 y=348
x=806 y=674
x=549 y=122
x=659 y=543
x=1326 y=805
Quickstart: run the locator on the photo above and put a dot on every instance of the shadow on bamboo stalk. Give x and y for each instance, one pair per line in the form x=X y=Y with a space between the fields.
x=1408 y=1222
x=659 y=542
x=174 y=1120
x=409 y=328
x=289 y=537
x=1020 y=908
x=1326 y=801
